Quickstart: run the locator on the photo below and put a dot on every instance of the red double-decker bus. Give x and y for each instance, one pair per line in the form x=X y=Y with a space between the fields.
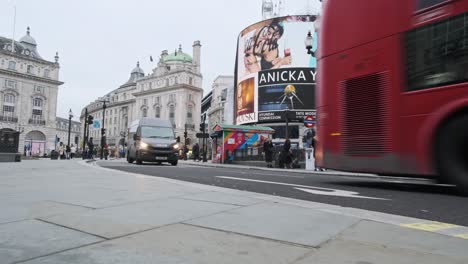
x=392 y=94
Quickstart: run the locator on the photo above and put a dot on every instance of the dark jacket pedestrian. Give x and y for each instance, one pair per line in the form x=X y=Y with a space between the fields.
x=286 y=154
x=268 y=149
x=196 y=151
x=90 y=150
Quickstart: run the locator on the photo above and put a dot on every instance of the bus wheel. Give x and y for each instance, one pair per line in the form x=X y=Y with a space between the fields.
x=452 y=153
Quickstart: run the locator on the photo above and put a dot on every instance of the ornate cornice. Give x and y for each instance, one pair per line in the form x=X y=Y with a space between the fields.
x=30 y=77
x=169 y=88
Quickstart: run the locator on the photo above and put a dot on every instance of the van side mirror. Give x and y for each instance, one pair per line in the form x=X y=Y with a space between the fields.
x=135 y=137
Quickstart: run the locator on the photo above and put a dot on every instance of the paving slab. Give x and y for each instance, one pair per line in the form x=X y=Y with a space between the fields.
x=280 y=222
x=28 y=239
x=127 y=219
x=370 y=232
x=12 y=211
x=352 y=252
x=181 y=244
x=219 y=197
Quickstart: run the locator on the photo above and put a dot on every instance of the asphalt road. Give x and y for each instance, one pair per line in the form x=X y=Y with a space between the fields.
x=420 y=200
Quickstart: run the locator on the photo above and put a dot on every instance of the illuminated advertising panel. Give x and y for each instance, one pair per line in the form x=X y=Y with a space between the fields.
x=274 y=72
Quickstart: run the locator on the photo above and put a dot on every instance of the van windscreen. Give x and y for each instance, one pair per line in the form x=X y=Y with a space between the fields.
x=157 y=132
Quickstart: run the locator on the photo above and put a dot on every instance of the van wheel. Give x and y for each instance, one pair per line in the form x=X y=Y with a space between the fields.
x=452 y=153
x=129 y=160
x=174 y=163
x=138 y=161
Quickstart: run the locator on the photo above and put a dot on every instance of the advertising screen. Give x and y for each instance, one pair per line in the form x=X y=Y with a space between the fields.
x=274 y=72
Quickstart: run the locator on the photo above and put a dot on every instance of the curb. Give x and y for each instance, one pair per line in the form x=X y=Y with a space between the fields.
x=328 y=173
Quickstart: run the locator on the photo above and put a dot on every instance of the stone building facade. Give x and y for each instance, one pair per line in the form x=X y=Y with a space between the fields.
x=28 y=94
x=220 y=88
x=172 y=91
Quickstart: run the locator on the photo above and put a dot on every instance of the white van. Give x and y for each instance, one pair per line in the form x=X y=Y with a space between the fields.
x=152 y=140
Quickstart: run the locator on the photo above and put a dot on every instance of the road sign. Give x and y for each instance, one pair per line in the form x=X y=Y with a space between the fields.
x=96 y=124
x=201 y=135
x=309 y=121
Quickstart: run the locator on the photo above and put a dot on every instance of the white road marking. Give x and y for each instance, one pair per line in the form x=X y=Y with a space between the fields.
x=310 y=189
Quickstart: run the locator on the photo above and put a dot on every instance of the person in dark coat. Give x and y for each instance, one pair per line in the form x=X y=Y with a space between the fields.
x=268 y=149
x=91 y=149
x=286 y=155
x=196 y=152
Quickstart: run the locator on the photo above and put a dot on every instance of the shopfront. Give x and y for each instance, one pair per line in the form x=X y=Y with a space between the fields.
x=238 y=143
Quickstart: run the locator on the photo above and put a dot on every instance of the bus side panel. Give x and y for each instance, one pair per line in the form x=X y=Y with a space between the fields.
x=363 y=93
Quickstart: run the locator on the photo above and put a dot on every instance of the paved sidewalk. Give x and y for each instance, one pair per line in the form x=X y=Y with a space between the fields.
x=73 y=212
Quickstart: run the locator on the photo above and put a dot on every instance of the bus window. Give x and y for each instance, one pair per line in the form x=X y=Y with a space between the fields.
x=428 y=3
x=437 y=54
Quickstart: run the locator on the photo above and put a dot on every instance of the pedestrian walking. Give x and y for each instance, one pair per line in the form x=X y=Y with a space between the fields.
x=61 y=151
x=185 y=152
x=196 y=152
x=286 y=154
x=72 y=151
x=268 y=150
x=90 y=149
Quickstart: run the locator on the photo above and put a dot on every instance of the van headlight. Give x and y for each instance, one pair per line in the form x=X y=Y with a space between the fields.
x=143 y=145
x=176 y=146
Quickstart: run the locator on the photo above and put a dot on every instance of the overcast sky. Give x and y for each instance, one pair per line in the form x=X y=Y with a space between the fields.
x=100 y=41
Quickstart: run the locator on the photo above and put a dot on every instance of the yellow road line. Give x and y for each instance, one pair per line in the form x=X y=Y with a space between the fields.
x=464 y=236
x=430 y=226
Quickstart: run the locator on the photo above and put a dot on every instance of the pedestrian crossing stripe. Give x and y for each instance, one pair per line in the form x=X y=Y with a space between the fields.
x=430 y=226
x=464 y=236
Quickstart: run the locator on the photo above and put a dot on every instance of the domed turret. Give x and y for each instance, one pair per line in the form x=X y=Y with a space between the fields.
x=178 y=56
x=28 y=39
x=138 y=70
x=136 y=74
x=29 y=45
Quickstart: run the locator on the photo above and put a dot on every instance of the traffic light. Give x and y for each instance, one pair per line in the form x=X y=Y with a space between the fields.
x=76 y=140
x=90 y=120
x=103 y=131
x=202 y=127
x=178 y=139
x=185 y=134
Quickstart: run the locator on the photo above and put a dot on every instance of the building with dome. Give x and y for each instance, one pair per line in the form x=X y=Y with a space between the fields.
x=172 y=91
x=28 y=96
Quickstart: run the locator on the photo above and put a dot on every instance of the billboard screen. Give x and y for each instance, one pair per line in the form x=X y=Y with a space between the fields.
x=274 y=71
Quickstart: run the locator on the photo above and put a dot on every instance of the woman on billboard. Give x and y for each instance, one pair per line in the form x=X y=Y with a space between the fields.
x=268 y=47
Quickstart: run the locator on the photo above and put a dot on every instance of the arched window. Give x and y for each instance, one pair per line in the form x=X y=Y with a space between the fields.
x=172 y=114
x=37 y=102
x=37 y=109
x=9 y=99
x=190 y=114
x=30 y=69
x=8 y=105
x=144 y=112
x=125 y=122
x=157 y=111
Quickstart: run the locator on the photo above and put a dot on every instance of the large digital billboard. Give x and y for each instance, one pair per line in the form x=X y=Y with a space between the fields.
x=274 y=72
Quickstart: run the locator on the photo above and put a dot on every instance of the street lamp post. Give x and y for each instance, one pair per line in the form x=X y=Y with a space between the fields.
x=204 y=140
x=70 y=116
x=309 y=42
x=287 y=122
x=85 y=135
x=103 y=129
